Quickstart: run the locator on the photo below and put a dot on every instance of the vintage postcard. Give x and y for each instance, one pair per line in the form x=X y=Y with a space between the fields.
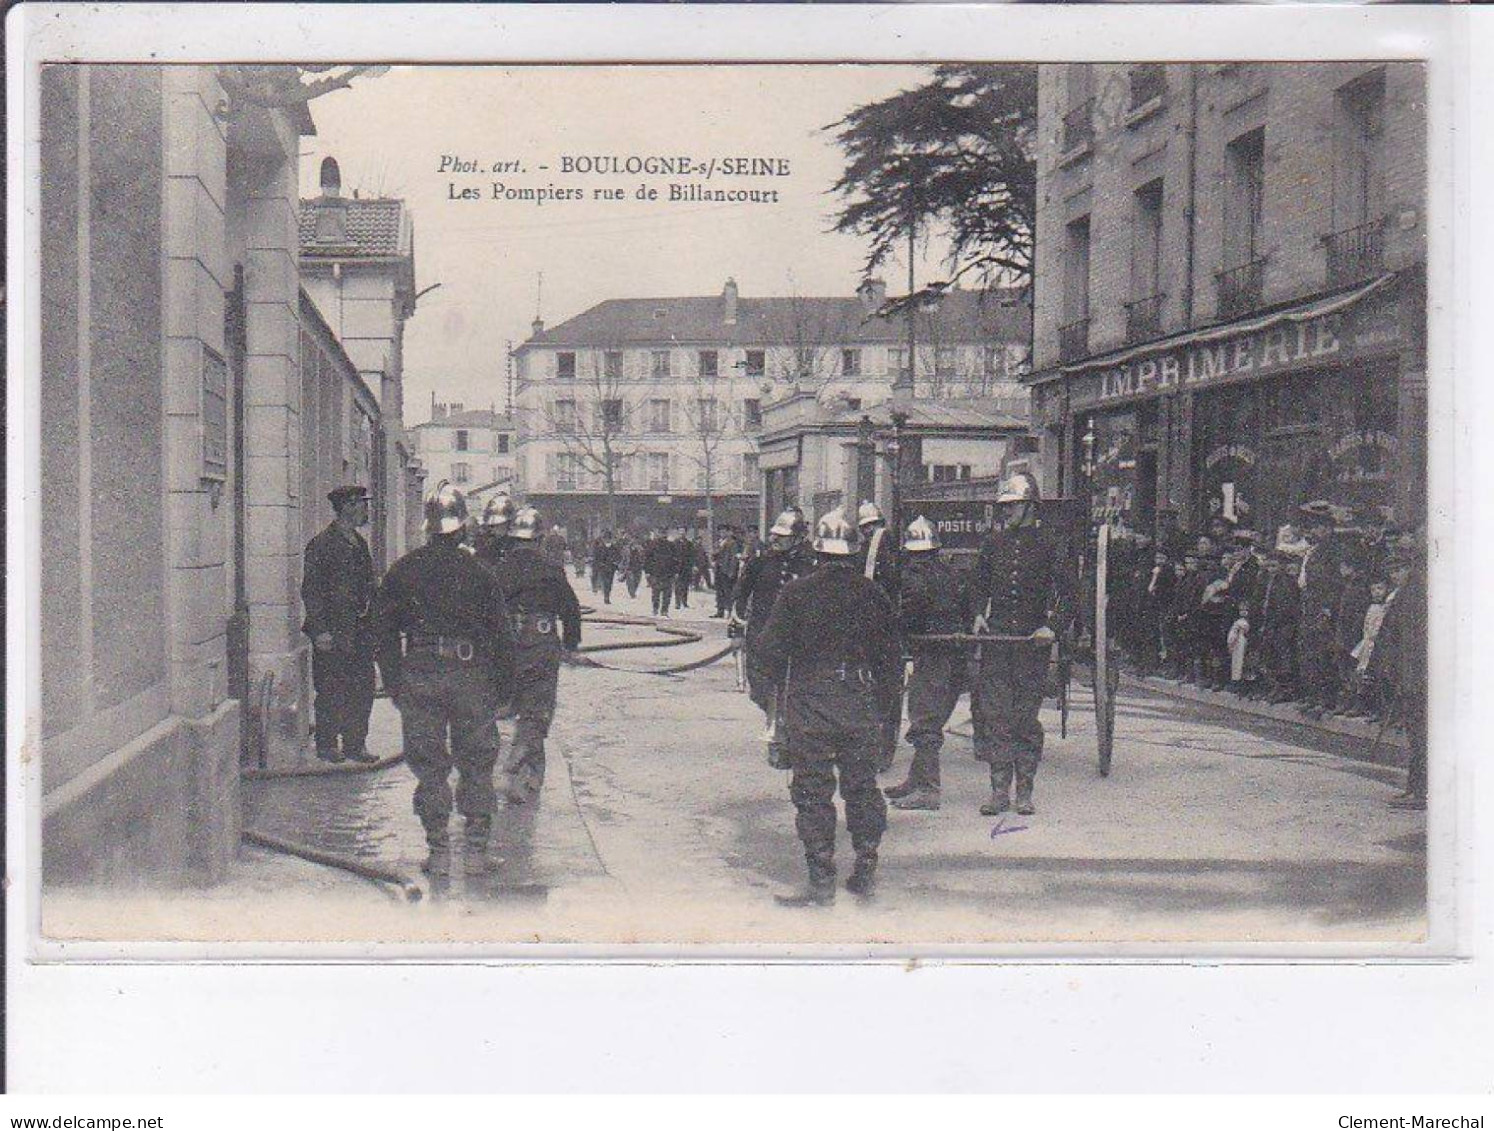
x=937 y=504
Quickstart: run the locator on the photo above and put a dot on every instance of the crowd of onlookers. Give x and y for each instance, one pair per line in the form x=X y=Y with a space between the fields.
x=1325 y=613
x=672 y=563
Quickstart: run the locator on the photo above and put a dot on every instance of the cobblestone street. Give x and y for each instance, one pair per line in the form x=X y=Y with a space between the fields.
x=1212 y=826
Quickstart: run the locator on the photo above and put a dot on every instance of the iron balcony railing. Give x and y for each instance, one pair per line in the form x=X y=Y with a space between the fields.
x=1073 y=340
x=1144 y=318
x=1079 y=127
x=1240 y=288
x=1355 y=254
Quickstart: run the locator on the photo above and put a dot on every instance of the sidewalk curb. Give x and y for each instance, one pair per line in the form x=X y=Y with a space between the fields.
x=1391 y=739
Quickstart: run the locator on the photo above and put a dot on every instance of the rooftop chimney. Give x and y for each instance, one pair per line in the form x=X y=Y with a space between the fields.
x=729 y=303
x=537 y=326
x=873 y=294
x=331 y=208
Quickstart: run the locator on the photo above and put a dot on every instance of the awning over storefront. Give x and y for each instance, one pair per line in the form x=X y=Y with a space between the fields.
x=1327 y=331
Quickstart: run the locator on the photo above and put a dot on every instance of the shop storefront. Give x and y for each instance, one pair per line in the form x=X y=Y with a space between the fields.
x=1248 y=421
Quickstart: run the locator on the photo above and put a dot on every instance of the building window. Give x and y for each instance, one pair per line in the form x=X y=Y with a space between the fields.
x=659 y=416
x=565 y=366
x=1073 y=333
x=1079 y=120
x=1240 y=283
x=705 y=414
x=852 y=403
x=752 y=413
x=804 y=362
x=660 y=365
x=610 y=415
x=944 y=361
x=897 y=365
x=503 y=439
x=1143 y=312
x=1148 y=82
x=710 y=363
x=995 y=361
x=565 y=416
x=757 y=363
x=658 y=471
x=463 y=440
x=1355 y=246
x=948 y=472
x=565 y=472
x=612 y=365
x=749 y=471
x=461 y=473
x=850 y=363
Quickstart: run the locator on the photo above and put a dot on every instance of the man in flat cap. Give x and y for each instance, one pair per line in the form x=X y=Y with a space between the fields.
x=337 y=588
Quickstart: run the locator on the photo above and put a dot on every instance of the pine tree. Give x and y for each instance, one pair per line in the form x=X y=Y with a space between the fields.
x=954 y=156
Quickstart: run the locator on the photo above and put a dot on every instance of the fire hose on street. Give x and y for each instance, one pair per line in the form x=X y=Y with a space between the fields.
x=673 y=637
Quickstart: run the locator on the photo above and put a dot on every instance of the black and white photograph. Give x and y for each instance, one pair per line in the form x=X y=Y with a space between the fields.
x=945 y=503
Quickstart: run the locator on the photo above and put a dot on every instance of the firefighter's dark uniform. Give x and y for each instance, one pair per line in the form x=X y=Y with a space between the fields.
x=446 y=651
x=337 y=588
x=1021 y=582
x=934 y=602
x=546 y=618
x=757 y=590
x=876 y=561
x=832 y=642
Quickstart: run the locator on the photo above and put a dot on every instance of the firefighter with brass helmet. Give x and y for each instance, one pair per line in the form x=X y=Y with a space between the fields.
x=786 y=558
x=1021 y=586
x=877 y=562
x=546 y=619
x=446 y=650
x=934 y=602
x=832 y=644
x=492 y=529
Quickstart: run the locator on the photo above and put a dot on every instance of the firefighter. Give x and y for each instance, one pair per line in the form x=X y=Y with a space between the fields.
x=446 y=651
x=875 y=559
x=546 y=619
x=934 y=601
x=492 y=530
x=832 y=643
x=786 y=558
x=337 y=587
x=1021 y=586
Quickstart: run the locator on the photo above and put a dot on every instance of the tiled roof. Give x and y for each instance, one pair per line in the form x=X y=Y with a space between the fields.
x=376 y=227
x=961 y=316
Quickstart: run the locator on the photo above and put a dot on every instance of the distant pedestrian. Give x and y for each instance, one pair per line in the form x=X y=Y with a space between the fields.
x=658 y=563
x=605 y=558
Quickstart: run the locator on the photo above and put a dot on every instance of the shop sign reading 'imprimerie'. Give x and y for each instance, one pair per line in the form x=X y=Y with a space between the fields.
x=1324 y=339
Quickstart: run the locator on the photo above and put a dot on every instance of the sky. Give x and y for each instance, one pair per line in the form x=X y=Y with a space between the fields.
x=390 y=134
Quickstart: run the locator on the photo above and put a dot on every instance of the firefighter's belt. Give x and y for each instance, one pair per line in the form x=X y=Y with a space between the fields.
x=542 y=623
x=844 y=672
x=452 y=647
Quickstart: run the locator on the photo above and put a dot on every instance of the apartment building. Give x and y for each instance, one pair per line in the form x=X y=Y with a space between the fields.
x=475 y=449
x=1230 y=312
x=670 y=392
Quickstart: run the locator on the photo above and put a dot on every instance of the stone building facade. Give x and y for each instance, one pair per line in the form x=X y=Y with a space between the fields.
x=672 y=384
x=1230 y=298
x=476 y=449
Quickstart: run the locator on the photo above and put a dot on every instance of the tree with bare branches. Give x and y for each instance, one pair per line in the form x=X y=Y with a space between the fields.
x=593 y=415
x=711 y=416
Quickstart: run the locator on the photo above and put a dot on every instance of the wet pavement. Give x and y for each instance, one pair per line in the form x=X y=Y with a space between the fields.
x=660 y=821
